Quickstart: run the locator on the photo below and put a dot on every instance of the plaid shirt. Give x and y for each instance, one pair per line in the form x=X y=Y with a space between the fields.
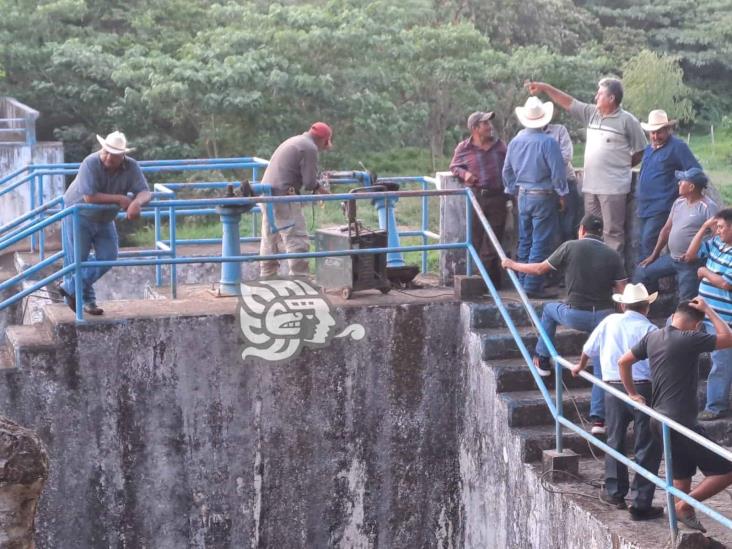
x=486 y=165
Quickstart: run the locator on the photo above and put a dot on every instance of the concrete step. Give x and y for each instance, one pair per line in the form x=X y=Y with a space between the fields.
x=512 y=374
x=537 y=438
x=526 y=408
x=26 y=341
x=497 y=343
x=486 y=315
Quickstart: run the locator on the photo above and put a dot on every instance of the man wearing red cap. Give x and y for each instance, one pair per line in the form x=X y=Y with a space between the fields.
x=293 y=166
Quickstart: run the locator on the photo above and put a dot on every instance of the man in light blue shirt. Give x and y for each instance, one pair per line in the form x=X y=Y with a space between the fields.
x=534 y=169
x=607 y=343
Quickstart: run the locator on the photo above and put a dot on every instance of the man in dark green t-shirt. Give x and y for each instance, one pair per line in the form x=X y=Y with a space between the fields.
x=592 y=271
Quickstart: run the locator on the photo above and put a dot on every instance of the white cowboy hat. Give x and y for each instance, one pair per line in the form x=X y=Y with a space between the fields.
x=535 y=114
x=635 y=293
x=115 y=143
x=656 y=120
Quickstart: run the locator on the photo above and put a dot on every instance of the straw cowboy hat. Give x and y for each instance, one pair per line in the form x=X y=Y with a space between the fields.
x=635 y=293
x=535 y=114
x=114 y=143
x=656 y=120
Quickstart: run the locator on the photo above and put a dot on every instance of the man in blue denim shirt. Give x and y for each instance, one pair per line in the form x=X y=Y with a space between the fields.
x=534 y=169
x=656 y=191
x=105 y=178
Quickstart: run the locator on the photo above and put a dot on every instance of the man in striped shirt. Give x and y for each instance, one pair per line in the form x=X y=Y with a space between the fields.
x=716 y=288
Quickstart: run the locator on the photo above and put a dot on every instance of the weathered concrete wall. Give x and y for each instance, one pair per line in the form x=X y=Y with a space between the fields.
x=17 y=155
x=161 y=436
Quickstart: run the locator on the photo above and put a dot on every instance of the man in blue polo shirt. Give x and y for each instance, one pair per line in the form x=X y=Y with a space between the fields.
x=716 y=288
x=657 y=189
x=534 y=169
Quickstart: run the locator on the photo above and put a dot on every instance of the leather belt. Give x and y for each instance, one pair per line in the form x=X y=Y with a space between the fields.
x=535 y=191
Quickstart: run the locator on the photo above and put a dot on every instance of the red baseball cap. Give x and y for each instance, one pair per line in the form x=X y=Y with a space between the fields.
x=323 y=131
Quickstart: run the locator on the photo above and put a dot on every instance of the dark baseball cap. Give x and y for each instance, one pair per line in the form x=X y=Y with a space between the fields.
x=693 y=175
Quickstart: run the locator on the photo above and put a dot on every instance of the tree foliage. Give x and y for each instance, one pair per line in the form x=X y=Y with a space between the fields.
x=232 y=77
x=655 y=81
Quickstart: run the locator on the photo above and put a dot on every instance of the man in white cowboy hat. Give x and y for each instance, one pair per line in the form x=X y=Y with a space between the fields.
x=534 y=169
x=673 y=353
x=478 y=163
x=105 y=177
x=607 y=343
x=615 y=143
x=657 y=189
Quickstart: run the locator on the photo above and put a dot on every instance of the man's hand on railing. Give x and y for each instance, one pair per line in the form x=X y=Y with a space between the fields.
x=638 y=398
x=133 y=210
x=123 y=202
x=508 y=263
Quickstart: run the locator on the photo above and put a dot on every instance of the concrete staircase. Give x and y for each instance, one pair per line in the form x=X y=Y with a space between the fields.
x=531 y=423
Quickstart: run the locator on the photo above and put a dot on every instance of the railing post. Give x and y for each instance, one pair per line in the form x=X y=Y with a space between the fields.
x=230 y=283
x=42 y=238
x=468 y=232
x=669 y=482
x=78 y=290
x=425 y=224
x=173 y=266
x=559 y=391
x=158 y=238
x=32 y=192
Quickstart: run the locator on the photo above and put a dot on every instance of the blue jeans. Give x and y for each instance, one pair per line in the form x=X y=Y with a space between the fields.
x=538 y=225
x=571 y=216
x=559 y=314
x=648 y=233
x=720 y=377
x=686 y=279
x=103 y=237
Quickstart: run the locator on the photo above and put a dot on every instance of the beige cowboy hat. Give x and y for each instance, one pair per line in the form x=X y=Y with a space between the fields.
x=635 y=293
x=656 y=120
x=114 y=143
x=535 y=114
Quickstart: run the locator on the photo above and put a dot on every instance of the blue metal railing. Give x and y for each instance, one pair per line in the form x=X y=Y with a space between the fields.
x=556 y=407
x=154 y=257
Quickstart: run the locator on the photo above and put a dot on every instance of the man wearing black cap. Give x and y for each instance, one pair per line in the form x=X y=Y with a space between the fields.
x=293 y=166
x=478 y=162
x=592 y=271
x=688 y=213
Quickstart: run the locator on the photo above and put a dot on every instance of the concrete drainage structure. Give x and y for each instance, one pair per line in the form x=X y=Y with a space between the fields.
x=426 y=433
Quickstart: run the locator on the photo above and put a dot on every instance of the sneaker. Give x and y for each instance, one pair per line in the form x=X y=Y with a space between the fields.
x=708 y=415
x=598 y=427
x=543 y=365
x=93 y=309
x=615 y=501
x=645 y=514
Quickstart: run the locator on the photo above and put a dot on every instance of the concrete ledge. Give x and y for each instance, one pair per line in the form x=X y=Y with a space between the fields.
x=554 y=463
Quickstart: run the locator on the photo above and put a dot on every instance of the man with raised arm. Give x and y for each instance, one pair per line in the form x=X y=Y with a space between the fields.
x=716 y=288
x=104 y=177
x=615 y=143
x=673 y=353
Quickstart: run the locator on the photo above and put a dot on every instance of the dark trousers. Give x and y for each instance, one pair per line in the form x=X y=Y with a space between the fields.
x=618 y=415
x=494 y=209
